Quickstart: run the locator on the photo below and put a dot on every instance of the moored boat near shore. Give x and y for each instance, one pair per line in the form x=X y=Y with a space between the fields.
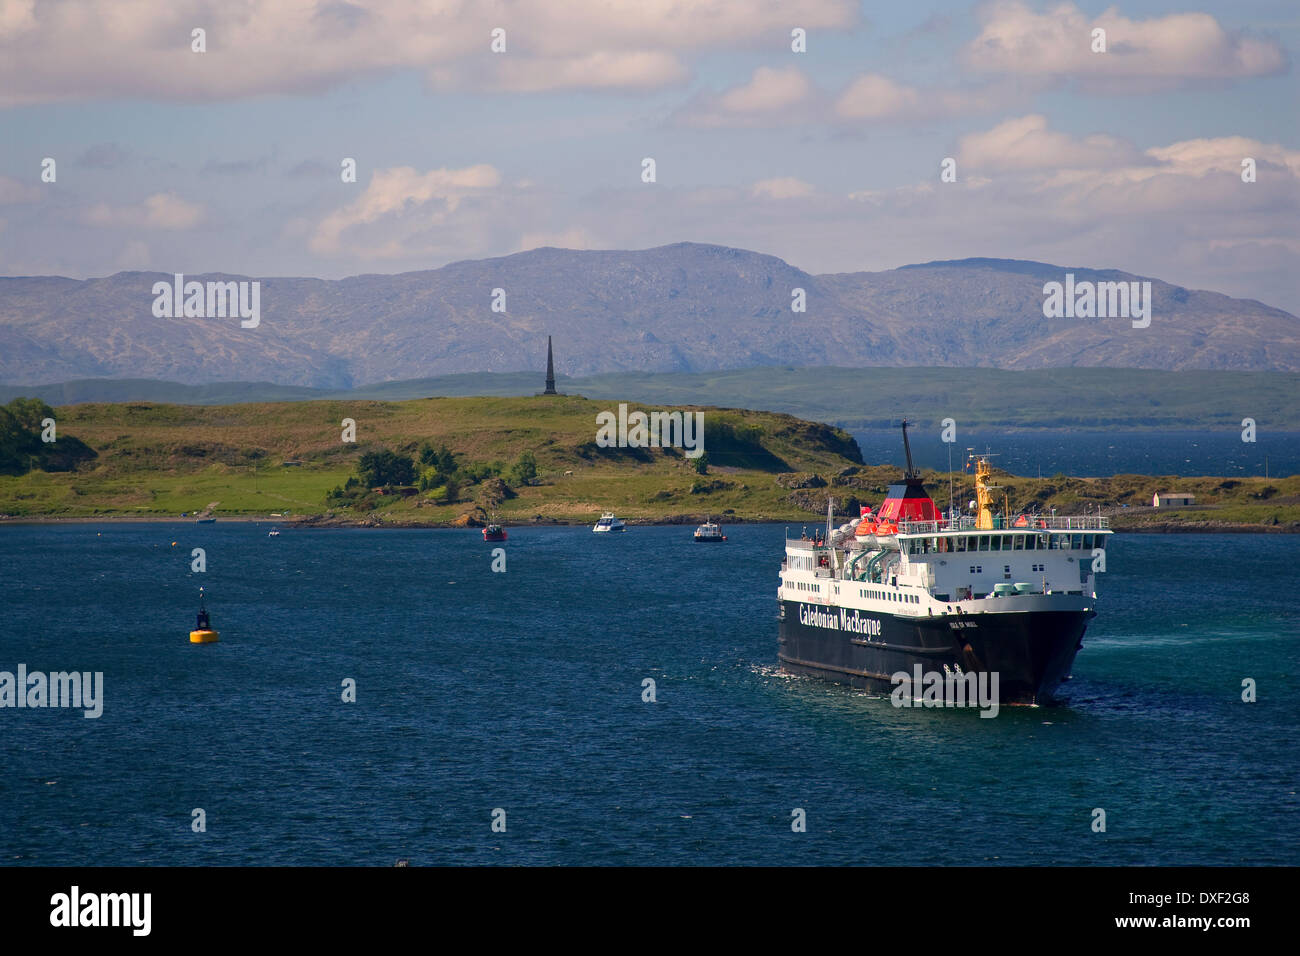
x=709 y=532
x=609 y=524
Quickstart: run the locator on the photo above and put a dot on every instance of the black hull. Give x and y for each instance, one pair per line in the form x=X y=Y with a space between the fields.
x=1031 y=652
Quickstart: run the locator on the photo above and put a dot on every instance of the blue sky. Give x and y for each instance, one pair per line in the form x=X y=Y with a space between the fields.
x=228 y=160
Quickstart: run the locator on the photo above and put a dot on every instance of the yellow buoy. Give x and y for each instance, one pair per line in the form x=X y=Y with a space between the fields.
x=203 y=632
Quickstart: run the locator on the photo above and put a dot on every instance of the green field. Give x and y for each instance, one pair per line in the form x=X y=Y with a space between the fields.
x=853 y=398
x=162 y=460
x=158 y=461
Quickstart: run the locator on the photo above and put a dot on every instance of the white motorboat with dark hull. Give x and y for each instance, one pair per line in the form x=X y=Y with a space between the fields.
x=609 y=524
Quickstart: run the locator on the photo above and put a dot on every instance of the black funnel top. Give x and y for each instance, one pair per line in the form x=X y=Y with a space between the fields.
x=911 y=476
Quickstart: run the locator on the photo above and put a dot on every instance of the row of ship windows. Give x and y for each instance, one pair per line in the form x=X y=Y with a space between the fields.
x=1039 y=541
x=1006 y=568
x=807 y=587
x=889 y=596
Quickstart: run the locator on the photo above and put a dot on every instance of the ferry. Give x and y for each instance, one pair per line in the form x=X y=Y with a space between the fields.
x=608 y=523
x=709 y=531
x=909 y=588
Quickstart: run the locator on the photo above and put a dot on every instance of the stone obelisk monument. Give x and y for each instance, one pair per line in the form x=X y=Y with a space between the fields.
x=550 y=370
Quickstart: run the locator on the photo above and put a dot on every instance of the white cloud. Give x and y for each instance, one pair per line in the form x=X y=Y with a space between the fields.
x=159 y=211
x=630 y=70
x=768 y=89
x=81 y=49
x=1141 y=54
x=874 y=97
x=12 y=191
x=1199 y=156
x=773 y=97
x=770 y=97
x=16 y=17
x=1026 y=143
x=405 y=204
x=784 y=187
x=1058 y=161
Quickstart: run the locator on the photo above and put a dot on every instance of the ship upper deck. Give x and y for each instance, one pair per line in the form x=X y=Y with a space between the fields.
x=966 y=525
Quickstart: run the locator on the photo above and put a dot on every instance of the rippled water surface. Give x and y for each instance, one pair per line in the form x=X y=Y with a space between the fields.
x=523 y=691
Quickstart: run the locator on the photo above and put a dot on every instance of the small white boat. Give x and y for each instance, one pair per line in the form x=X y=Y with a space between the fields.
x=709 y=532
x=609 y=523
x=273 y=533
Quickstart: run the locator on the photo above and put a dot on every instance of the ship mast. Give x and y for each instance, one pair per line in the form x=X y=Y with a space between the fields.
x=912 y=477
x=912 y=474
x=983 y=493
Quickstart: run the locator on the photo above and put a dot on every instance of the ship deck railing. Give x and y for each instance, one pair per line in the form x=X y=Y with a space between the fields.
x=804 y=542
x=1033 y=523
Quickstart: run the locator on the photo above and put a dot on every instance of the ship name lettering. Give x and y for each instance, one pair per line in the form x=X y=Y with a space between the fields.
x=858 y=624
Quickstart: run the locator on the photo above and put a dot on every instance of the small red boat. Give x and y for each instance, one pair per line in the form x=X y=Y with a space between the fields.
x=494 y=532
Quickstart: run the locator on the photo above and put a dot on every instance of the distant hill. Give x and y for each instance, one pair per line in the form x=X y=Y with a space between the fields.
x=680 y=308
x=854 y=398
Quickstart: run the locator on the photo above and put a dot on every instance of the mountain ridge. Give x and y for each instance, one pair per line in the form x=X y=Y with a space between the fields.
x=684 y=307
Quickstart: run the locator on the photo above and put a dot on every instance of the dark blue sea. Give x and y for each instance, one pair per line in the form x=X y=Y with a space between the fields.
x=1097 y=454
x=523 y=691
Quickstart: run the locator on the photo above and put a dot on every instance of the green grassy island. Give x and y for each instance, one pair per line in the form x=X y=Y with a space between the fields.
x=456 y=461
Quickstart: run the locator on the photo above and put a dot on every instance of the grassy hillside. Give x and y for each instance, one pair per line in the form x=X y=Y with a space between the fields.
x=853 y=398
x=161 y=460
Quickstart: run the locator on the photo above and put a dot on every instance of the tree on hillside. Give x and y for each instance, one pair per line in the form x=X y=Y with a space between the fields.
x=445 y=461
x=21 y=447
x=524 y=470
x=378 y=468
